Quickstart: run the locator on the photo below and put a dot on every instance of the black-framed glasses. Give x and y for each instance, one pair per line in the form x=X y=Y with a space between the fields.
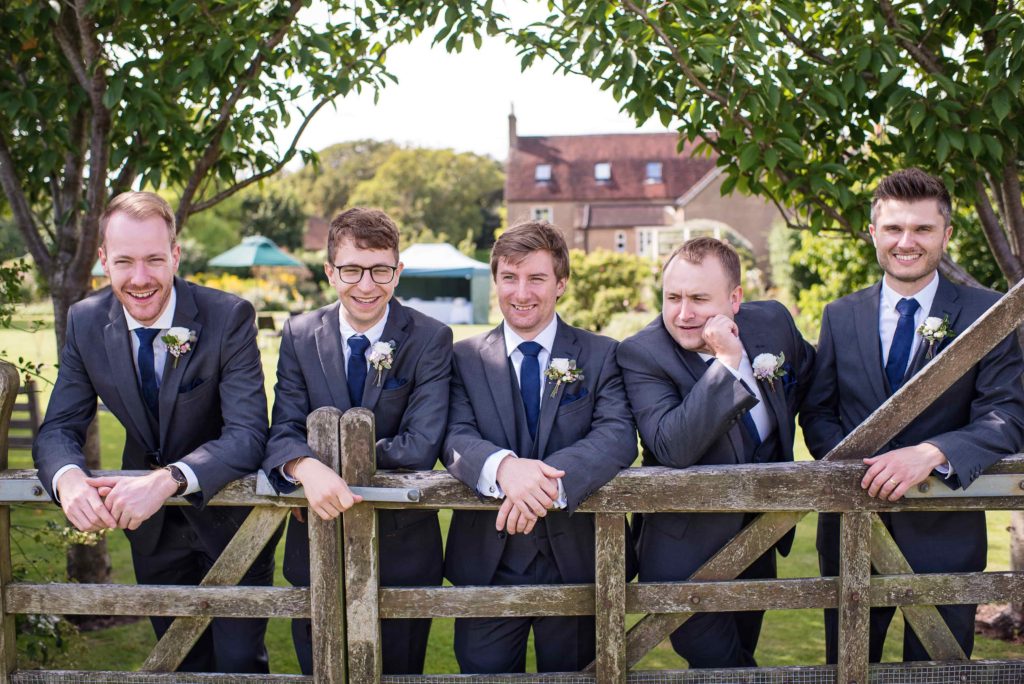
x=350 y=274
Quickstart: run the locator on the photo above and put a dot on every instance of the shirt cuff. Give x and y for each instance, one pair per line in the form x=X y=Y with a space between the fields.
x=735 y=371
x=56 y=476
x=190 y=477
x=561 y=501
x=946 y=470
x=487 y=483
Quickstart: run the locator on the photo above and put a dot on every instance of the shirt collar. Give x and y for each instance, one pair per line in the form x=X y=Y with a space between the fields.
x=925 y=296
x=373 y=334
x=546 y=337
x=166 y=319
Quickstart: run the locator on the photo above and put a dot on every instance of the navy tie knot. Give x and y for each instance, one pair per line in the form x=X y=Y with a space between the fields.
x=907 y=307
x=147 y=369
x=355 y=371
x=529 y=384
x=902 y=342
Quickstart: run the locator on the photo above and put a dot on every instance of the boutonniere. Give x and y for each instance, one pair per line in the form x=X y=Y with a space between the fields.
x=768 y=367
x=563 y=370
x=382 y=355
x=934 y=330
x=179 y=342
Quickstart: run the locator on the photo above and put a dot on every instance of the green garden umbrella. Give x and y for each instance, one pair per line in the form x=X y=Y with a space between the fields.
x=255 y=250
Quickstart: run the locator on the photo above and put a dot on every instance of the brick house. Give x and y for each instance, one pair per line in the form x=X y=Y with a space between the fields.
x=628 y=192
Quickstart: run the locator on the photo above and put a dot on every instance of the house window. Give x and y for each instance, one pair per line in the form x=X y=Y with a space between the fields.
x=620 y=241
x=542 y=173
x=541 y=213
x=646 y=239
x=653 y=172
x=602 y=171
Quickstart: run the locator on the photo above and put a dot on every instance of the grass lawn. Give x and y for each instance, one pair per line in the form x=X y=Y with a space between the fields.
x=788 y=637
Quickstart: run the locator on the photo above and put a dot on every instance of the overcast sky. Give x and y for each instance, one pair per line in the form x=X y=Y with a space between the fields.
x=462 y=101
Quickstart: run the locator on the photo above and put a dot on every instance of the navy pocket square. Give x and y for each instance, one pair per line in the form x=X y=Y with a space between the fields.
x=394 y=383
x=570 y=398
x=188 y=387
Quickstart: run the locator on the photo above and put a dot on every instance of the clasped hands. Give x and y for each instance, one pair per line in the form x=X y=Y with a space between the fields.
x=96 y=503
x=531 y=489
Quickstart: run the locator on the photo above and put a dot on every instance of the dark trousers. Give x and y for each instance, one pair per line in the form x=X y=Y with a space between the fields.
x=228 y=644
x=960 y=619
x=496 y=645
x=403 y=645
x=711 y=640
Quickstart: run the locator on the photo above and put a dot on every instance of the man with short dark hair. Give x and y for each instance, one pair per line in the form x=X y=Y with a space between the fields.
x=712 y=381
x=871 y=342
x=538 y=419
x=365 y=350
x=177 y=365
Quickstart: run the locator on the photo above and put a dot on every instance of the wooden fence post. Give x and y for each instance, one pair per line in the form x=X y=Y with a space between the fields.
x=8 y=649
x=362 y=577
x=326 y=591
x=610 y=597
x=854 y=603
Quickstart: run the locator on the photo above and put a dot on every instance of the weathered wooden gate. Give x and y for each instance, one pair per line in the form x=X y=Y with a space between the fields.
x=346 y=603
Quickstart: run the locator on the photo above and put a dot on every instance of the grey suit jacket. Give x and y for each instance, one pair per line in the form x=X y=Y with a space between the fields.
x=688 y=414
x=410 y=407
x=585 y=429
x=976 y=422
x=213 y=408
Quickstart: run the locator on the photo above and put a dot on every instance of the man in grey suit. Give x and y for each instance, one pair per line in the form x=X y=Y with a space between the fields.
x=712 y=381
x=177 y=365
x=539 y=419
x=871 y=342
x=364 y=350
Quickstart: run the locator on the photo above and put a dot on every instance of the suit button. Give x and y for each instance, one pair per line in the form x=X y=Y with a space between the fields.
x=491 y=490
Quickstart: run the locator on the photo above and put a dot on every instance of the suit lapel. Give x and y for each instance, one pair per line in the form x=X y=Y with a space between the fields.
x=565 y=347
x=865 y=322
x=395 y=330
x=755 y=343
x=698 y=367
x=185 y=316
x=496 y=374
x=122 y=369
x=332 y=360
x=945 y=305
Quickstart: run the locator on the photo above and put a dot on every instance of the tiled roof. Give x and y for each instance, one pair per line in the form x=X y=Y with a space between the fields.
x=621 y=215
x=315 y=236
x=572 y=159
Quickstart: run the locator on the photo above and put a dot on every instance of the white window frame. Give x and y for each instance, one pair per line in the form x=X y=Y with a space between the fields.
x=542 y=213
x=542 y=173
x=649 y=178
x=603 y=172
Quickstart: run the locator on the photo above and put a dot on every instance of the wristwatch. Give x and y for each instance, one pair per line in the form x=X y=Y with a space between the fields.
x=179 y=478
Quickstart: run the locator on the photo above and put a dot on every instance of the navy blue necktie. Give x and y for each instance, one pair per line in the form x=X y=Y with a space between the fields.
x=529 y=384
x=147 y=369
x=355 y=372
x=902 y=341
x=745 y=417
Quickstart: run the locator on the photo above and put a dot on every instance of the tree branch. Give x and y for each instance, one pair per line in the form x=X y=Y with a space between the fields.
x=212 y=151
x=1014 y=215
x=956 y=272
x=20 y=209
x=926 y=59
x=1008 y=263
x=285 y=158
x=70 y=50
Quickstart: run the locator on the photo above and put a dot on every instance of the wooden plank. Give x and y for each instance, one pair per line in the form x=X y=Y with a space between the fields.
x=610 y=597
x=234 y=561
x=929 y=626
x=498 y=601
x=987 y=587
x=113 y=677
x=327 y=592
x=9 y=381
x=362 y=572
x=854 y=607
x=167 y=600
x=714 y=597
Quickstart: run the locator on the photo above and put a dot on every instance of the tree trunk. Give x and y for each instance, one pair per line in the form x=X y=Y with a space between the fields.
x=85 y=564
x=1017 y=563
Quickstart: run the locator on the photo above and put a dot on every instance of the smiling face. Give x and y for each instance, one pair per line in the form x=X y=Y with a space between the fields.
x=528 y=291
x=692 y=294
x=362 y=303
x=138 y=257
x=910 y=238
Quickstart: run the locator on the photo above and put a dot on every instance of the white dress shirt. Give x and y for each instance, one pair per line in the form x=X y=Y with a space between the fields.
x=165 y=321
x=487 y=483
x=746 y=373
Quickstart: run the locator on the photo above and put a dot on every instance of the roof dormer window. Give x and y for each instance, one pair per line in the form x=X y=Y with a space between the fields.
x=653 y=174
x=602 y=172
x=542 y=173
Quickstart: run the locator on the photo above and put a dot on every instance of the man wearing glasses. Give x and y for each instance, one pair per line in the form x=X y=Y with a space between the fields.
x=364 y=350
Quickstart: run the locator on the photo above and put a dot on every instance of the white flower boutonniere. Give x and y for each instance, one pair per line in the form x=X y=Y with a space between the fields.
x=179 y=342
x=768 y=367
x=934 y=330
x=382 y=355
x=562 y=370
